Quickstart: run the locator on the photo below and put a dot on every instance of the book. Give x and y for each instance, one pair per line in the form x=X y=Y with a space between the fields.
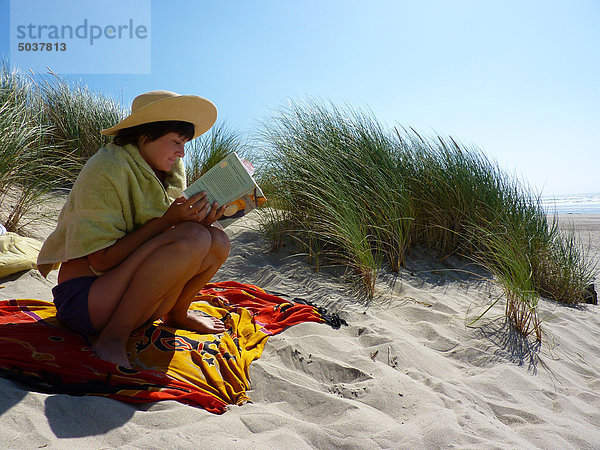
x=230 y=183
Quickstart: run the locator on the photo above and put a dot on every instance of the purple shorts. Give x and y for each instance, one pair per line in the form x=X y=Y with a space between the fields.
x=71 y=301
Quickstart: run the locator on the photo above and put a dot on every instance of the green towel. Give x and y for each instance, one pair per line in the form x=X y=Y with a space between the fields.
x=115 y=193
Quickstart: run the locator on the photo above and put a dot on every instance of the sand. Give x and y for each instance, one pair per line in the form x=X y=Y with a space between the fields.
x=406 y=372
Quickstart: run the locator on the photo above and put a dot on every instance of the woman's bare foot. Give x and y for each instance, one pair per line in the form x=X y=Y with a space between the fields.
x=112 y=350
x=196 y=322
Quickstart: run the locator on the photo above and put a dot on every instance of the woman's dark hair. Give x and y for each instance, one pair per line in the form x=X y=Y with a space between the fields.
x=153 y=131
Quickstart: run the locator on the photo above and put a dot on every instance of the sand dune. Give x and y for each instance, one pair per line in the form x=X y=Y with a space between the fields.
x=405 y=373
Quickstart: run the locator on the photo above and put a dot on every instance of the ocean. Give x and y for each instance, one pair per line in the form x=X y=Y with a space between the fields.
x=572 y=204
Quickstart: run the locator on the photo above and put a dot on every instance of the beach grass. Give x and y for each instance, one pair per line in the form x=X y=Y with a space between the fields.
x=359 y=195
x=332 y=170
x=48 y=129
x=15 y=87
x=27 y=179
x=503 y=251
x=562 y=270
x=74 y=115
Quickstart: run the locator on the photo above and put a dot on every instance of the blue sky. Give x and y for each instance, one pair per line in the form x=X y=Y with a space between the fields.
x=518 y=79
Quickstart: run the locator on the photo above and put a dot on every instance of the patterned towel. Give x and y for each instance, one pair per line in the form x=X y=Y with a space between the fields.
x=210 y=371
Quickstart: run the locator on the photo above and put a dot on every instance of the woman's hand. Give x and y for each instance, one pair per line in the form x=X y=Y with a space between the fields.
x=215 y=214
x=193 y=209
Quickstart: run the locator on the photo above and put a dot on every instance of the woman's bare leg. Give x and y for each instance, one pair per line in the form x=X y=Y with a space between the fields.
x=107 y=291
x=131 y=293
x=179 y=315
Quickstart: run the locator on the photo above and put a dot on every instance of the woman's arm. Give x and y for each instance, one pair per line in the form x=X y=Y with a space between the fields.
x=181 y=210
x=109 y=257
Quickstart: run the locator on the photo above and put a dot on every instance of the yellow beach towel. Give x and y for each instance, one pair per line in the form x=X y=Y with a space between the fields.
x=205 y=370
x=115 y=193
x=17 y=253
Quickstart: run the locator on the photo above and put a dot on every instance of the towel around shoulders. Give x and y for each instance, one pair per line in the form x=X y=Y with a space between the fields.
x=115 y=193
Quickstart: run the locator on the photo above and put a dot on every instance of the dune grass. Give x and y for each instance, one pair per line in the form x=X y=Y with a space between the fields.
x=561 y=269
x=207 y=150
x=48 y=129
x=359 y=195
x=14 y=87
x=334 y=175
x=503 y=251
x=74 y=116
x=26 y=178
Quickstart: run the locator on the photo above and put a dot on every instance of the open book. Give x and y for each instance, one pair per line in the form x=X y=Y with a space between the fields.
x=229 y=183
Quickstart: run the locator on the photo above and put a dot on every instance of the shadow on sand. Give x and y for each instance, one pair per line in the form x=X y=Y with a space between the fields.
x=69 y=416
x=74 y=417
x=511 y=344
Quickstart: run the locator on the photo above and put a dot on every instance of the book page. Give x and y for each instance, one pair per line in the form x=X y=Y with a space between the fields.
x=223 y=183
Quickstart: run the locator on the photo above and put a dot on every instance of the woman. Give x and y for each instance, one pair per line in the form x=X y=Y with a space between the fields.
x=131 y=248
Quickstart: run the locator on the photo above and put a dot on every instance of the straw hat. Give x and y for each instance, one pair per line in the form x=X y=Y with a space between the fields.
x=156 y=106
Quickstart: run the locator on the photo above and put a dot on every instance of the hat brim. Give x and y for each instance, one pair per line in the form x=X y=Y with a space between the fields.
x=187 y=108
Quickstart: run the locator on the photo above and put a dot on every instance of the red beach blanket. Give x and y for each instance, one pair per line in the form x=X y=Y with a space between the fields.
x=210 y=371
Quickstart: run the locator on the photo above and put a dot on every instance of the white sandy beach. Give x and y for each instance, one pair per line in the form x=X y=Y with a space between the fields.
x=405 y=373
